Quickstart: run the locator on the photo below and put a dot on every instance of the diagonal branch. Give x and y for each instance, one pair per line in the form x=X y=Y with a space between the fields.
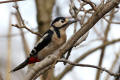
x=70 y=67
x=100 y=12
x=10 y=1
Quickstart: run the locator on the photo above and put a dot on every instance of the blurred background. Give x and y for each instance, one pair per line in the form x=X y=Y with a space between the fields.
x=16 y=43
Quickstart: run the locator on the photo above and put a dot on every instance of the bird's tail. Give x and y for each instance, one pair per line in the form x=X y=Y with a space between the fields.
x=22 y=65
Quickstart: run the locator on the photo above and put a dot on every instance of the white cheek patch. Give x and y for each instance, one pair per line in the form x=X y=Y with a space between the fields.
x=58 y=24
x=41 y=39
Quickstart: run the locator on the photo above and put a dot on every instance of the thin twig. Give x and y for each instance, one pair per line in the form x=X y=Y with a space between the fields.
x=87 y=65
x=25 y=45
x=22 y=21
x=118 y=77
x=90 y=3
x=98 y=33
x=1 y=2
x=69 y=68
x=104 y=41
x=113 y=65
x=15 y=25
x=111 y=22
x=15 y=34
x=68 y=54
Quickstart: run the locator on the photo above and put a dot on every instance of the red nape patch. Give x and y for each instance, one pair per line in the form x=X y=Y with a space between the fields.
x=33 y=60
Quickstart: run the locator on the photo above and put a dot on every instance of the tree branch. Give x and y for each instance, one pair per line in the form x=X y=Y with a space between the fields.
x=90 y=3
x=87 y=65
x=36 y=33
x=104 y=41
x=70 y=67
x=22 y=22
x=10 y=1
x=100 y=12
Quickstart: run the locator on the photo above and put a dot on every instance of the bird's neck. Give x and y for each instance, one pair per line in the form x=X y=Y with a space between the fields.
x=58 y=32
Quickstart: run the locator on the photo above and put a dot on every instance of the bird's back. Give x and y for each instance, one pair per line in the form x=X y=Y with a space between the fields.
x=56 y=42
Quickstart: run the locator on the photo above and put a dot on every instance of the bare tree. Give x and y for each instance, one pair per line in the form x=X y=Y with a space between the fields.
x=104 y=12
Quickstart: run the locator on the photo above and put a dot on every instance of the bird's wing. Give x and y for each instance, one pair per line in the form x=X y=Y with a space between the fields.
x=43 y=42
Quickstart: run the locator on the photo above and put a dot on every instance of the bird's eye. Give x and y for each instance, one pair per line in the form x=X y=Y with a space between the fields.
x=62 y=21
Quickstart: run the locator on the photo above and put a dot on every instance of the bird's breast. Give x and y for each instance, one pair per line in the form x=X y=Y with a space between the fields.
x=59 y=41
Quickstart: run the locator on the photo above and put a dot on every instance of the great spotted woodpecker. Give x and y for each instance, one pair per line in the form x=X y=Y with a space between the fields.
x=51 y=40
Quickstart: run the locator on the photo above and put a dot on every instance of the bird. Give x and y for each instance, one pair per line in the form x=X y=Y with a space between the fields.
x=51 y=40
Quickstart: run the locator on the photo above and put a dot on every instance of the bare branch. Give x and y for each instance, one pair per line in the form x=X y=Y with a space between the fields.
x=68 y=68
x=1 y=2
x=98 y=14
x=111 y=21
x=104 y=41
x=22 y=21
x=25 y=45
x=113 y=65
x=90 y=3
x=15 y=34
x=87 y=65
x=15 y=25
x=41 y=72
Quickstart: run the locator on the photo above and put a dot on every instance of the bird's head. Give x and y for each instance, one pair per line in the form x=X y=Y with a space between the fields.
x=62 y=22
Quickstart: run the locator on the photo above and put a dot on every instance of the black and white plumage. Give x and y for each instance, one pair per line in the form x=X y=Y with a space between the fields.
x=51 y=40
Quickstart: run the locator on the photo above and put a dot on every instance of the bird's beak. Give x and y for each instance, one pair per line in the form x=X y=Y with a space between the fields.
x=71 y=21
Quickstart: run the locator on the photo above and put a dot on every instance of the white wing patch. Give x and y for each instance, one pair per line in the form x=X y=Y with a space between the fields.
x=41 y=39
